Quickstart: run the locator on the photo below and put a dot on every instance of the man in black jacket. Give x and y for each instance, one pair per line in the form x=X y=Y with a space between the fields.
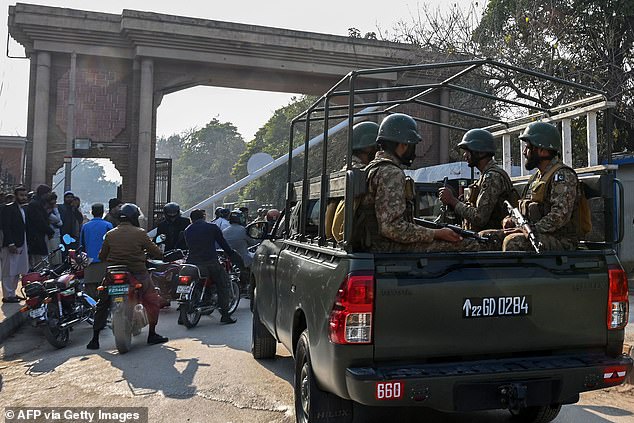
x=14 y=247
x=172 y=226
x=38 y=228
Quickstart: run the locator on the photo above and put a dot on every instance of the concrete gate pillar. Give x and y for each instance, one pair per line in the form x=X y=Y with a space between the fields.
x=144 y=157
x=40 y=120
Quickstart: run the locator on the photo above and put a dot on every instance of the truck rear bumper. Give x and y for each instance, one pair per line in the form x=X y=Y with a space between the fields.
x=486 y=384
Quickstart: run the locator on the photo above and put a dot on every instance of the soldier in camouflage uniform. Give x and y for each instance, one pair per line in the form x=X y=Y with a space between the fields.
x=551 y=197
x=484 y=209
x=384 y=219
x=363 y=151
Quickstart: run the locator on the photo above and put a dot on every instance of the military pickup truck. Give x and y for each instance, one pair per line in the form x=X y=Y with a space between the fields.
x=461 y=331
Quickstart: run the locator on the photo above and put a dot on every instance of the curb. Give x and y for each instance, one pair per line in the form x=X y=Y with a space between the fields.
x=10 y=324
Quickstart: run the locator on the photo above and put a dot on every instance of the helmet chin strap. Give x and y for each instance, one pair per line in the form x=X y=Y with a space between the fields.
x=409 y=155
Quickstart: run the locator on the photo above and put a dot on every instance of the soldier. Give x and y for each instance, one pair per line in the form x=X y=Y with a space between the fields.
x=551 y=197
x=384 y=219
x=484 y=209
x=363 y=151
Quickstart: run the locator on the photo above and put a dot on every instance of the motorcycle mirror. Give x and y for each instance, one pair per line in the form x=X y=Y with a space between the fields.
x=160 y=239
x=257 y=230
x=68 y=239
x=152 y=233
x=62 y=247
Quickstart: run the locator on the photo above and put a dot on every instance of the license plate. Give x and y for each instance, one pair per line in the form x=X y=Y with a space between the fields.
x=476 y=307
x=389 y=390
x=183 y=289
x=117 y=289
x=37 y=313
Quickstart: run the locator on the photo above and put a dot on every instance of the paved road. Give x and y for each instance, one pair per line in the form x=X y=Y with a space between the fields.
x=205 y=374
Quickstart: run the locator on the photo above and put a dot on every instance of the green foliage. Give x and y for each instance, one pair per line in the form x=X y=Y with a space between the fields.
x=203 y=160
x=88 y=182
x=272 y=138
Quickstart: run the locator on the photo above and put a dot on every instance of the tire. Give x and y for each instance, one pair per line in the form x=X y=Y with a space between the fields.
x=311 y=403
x=235 y=297
x=263 y=344
x=58 y=338
x=540 y=414
x=121 y=329
x=188 y=314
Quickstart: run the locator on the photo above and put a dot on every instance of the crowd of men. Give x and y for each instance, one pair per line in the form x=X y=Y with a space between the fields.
x=31 y=227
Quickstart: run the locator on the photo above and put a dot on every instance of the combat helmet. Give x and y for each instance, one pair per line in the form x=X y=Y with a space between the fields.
x=399 y=128
x=364 y=135
x=542 y=135
x=479 y=140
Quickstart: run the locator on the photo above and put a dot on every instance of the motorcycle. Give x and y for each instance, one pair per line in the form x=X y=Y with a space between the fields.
x=128 y=316
x=55 y=298
x=164 y=274
x=198 y=295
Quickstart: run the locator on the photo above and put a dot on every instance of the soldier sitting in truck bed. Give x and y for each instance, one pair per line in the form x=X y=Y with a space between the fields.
x=384 y=219
x=551 y=198
x=484 y=209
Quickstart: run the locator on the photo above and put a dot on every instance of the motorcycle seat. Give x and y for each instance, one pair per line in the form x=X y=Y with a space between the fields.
x=194 y=271
x=157 y=265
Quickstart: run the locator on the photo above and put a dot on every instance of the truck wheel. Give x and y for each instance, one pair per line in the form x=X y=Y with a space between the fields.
x=263 y=344
x=311 y=403
x=541 y=414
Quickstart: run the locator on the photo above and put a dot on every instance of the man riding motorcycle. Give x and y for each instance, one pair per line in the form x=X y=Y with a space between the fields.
x=201 y=240
x=172 y=227
x=127 y=245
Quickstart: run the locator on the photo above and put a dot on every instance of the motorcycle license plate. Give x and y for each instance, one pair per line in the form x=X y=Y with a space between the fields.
x=117 y=290
x=37 y=313
x=183 y=289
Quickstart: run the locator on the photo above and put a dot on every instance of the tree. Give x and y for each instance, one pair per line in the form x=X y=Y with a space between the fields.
x=584 y=41
x=89 y=183
x=205 y=161
x=273 y=138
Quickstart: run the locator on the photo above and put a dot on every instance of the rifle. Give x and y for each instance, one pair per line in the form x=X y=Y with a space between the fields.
x=523 y=223
x=457 y=229
x=442 y=217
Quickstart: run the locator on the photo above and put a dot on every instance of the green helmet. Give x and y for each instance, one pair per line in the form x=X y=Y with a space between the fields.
x=399 y=128
x=542 y=135
x=364 y=135
x=479 y=140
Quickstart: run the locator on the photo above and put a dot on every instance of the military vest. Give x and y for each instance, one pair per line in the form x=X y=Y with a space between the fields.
x=535 y=202
x=365 y=233
x=499 y=212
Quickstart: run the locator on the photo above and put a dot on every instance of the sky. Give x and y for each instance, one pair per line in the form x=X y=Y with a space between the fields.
x=248 y=110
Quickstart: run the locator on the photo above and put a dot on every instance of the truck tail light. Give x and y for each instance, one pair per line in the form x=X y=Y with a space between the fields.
x=618 y=303
x=351 y=315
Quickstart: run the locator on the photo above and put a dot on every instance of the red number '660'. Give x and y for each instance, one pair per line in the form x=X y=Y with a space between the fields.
x=389 y=390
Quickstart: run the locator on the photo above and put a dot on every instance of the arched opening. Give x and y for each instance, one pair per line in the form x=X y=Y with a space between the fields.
x=92 y=180
x=222 y=122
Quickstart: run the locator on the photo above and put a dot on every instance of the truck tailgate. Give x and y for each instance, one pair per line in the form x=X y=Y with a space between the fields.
x=444 y=306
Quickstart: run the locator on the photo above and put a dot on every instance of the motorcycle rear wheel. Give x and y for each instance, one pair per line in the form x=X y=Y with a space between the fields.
x=235 y=297
x=55 y=336
x=122 y=330
x=188 y=313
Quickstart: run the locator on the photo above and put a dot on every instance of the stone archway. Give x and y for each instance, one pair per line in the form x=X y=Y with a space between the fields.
x=118 y=67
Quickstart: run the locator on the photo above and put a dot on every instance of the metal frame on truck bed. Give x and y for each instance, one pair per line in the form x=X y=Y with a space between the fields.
x=408 y=92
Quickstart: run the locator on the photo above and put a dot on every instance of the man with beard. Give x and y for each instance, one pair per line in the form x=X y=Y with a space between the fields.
x=484 y=209
x=15 y=256
x=384 y=219
x=550 y=200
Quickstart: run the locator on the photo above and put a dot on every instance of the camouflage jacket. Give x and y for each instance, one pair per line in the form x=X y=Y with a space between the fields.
x=550 y=204
x=485 y=209
x=387 y=196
